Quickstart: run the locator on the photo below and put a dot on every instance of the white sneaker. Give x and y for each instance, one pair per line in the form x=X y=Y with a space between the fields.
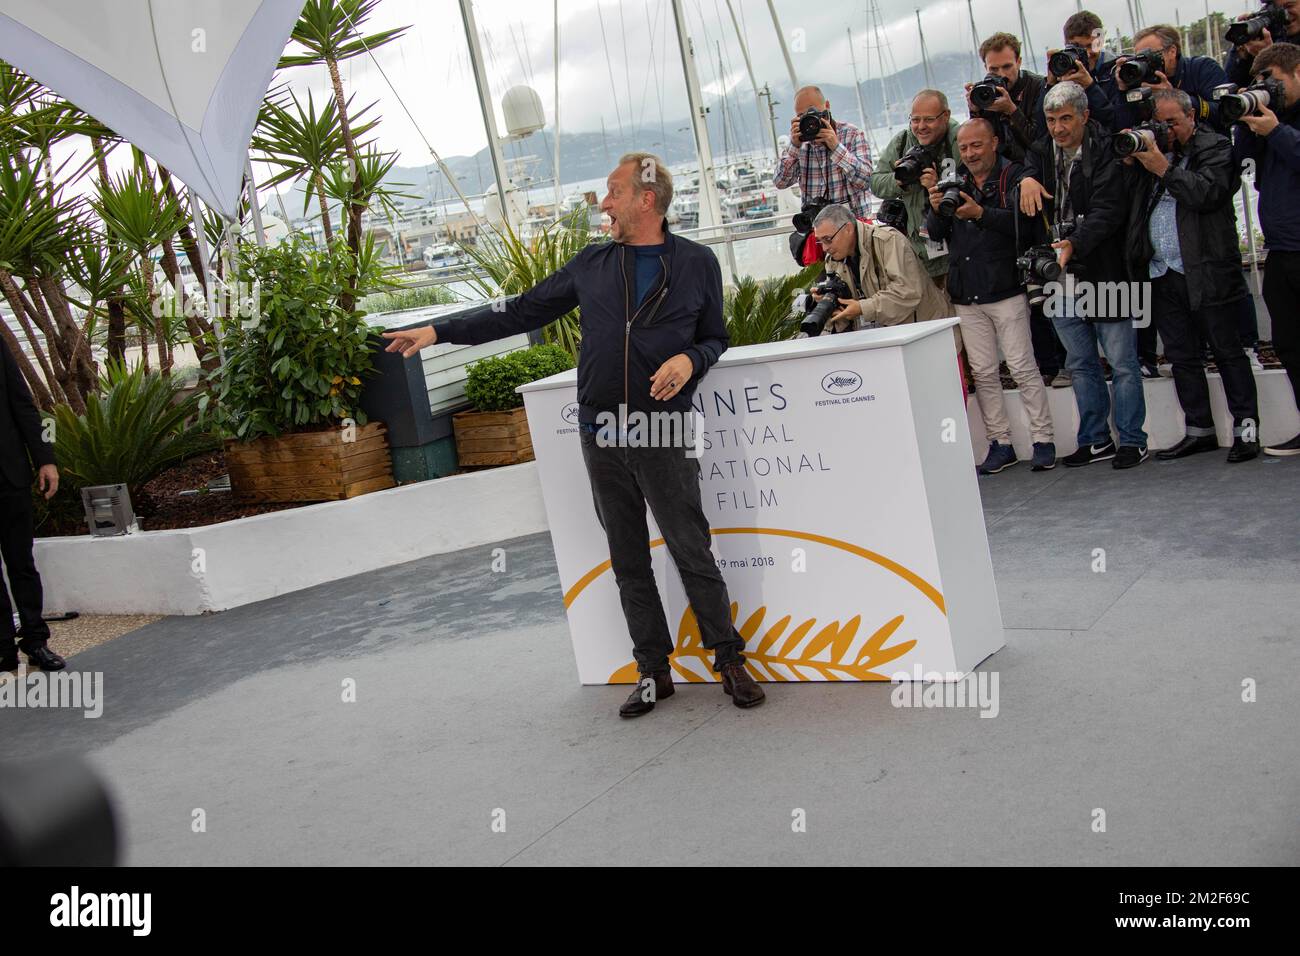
x=1255 y=364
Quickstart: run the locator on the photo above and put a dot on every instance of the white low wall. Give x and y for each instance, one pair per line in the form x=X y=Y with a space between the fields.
x=1278 y=417
x=238 y=562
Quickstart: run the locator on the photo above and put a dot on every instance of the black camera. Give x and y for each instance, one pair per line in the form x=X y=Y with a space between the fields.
x=912 y=164
x=893 y=213
x=1235 y=103
x=832 y=288
x=1067 y=60
x=803 y=219
x=951 y=198
x=1271 y=17
x=1130 y=141
x=1141 y=67
x=810 y=123
x=985 y=93
x=1040 y=264
x=1143 y=102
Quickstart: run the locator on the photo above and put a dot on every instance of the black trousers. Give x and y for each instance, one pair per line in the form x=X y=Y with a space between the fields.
x=16 y=529
x=1049 y=353
x=1282 y=296
x=1182 y=330
x=623 y=481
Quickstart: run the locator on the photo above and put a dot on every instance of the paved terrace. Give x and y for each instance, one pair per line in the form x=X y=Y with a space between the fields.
x=1119 y=690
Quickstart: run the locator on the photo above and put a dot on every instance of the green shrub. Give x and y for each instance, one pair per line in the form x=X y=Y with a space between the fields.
x=132 y=432
x=760 y=310
x=490 y=383
x=302 y=363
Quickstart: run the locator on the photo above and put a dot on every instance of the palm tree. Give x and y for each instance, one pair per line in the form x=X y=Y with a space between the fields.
x=330 y=31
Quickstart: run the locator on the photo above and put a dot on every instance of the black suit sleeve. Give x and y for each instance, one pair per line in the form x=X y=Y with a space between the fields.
x=542 y=304
x=711 y=335
x=24 y=411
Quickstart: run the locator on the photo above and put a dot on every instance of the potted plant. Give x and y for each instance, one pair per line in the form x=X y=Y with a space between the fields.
x=496 y=432
x=288 y=393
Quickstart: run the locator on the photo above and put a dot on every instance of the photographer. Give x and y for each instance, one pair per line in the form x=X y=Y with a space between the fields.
x=1157 y=55
x=1071 y=176
x=879 y=267
x=1081 y=61
x=1182 y=236
x=978 y=218
x=1017 y=94
x=1284 y=15
x=834 y=165
x=1270 y=136
x=912 y=163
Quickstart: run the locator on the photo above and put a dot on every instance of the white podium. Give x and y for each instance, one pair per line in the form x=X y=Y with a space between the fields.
x=836 y=476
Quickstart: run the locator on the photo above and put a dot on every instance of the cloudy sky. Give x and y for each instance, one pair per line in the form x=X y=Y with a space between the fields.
x=613 y=77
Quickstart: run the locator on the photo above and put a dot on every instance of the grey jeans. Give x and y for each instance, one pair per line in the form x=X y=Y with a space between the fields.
x=623 y=481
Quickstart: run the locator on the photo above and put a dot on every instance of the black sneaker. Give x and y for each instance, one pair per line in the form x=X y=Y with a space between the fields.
x=1129 y=456
x=1285 y=449
x=1149 y=369
x=1044 y=456
x=1087 y=454
x=9 y=657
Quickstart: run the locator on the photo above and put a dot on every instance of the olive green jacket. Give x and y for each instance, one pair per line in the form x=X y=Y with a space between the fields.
x=915 y=197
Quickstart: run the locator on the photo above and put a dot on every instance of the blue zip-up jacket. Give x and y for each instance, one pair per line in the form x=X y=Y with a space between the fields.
x=623 y=344
x=1277 y=177
x=1197 y=76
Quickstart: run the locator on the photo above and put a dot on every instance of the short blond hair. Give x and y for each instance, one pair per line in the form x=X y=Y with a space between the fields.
x=655 y=176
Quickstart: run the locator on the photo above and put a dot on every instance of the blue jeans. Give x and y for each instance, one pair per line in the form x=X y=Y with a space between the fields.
x=1090 y=393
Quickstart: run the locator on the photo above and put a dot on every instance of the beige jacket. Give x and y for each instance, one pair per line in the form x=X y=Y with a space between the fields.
x=893 y=287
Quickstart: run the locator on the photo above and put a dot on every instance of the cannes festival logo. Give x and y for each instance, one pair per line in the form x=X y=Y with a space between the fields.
x=570 y=413
x=838 y=637
x=842 y=382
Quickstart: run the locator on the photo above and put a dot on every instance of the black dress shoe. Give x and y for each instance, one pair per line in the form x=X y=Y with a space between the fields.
x=44 y=658
x=740 y=687
x=1189 y=446
x=650 y=688
x=1243 y=450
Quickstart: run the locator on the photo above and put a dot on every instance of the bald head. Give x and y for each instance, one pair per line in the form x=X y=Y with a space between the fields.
x=977 y=142
x=809 y=97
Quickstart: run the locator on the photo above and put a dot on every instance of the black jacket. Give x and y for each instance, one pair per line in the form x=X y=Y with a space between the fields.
x=622 y=345
x=982 y=252
x=1098 y=192
x=1206 y=216
x=20 y=426
x=1018 y=131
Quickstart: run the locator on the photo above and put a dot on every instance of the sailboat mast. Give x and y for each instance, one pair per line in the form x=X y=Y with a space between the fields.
x=925 y=54
x=785 y=51
x=1024 y=31
x=749 y=68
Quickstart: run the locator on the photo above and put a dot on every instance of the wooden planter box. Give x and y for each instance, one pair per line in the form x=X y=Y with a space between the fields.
x=492 y=438
x=310 y=466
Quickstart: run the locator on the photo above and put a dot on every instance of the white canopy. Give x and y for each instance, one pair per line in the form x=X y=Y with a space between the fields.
x=181 y=79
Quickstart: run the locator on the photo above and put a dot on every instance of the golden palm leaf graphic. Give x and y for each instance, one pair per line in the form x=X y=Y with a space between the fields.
x=770 y=649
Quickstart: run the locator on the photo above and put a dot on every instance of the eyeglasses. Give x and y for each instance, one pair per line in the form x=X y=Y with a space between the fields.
x=824 y=242
x=928 y=119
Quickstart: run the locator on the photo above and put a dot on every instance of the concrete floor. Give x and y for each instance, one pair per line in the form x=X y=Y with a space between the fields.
x=1119 y=690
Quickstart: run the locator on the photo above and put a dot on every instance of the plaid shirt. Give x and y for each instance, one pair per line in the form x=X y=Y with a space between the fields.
x=842 y=175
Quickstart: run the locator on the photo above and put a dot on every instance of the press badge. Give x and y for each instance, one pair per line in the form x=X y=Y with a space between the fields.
x=933 y=248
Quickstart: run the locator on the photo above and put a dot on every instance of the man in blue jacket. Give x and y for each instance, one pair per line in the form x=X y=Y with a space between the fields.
x=1197 y=76
x=651 y=316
